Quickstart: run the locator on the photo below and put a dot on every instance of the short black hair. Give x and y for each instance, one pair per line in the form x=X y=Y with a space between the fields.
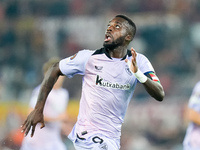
x=133 y=29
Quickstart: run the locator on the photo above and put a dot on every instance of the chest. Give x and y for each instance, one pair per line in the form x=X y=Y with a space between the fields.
x=108 y=71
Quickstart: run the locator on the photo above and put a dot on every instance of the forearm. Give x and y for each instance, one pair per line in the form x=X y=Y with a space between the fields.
x=155 y=89
x=47 y=84
x=46 y=87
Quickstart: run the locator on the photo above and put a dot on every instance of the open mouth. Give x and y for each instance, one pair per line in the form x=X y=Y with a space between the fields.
x=107 y=37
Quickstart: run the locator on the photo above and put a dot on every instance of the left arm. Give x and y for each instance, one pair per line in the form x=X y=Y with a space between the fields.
x=154 y=88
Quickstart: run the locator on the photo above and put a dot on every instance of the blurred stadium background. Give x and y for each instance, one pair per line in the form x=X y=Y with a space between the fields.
x=168 y=32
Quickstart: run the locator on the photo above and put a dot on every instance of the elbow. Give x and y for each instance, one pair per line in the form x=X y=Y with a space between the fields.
x=160 y=96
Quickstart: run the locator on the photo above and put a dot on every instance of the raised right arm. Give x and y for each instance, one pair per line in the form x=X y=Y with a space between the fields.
x=36 y=115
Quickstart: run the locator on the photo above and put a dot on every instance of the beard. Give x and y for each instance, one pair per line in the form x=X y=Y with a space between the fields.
x=114 y=44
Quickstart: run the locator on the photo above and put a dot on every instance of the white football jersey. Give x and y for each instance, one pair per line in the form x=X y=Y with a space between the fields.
x=107 y=88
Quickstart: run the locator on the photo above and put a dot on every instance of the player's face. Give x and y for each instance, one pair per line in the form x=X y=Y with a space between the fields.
x=115 y=33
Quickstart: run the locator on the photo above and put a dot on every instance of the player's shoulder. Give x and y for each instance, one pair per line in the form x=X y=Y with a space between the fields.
x=139 y=55
x=81 y=55
x=86 y=52
x=99 y=51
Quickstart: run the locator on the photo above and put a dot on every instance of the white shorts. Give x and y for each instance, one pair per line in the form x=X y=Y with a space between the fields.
x=96 y=142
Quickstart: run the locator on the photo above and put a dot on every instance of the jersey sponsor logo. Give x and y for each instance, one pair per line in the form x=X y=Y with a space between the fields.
x=128 y=71
x=100 y=82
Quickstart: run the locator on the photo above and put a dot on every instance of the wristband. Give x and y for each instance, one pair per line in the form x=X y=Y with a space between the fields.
x=140 y=76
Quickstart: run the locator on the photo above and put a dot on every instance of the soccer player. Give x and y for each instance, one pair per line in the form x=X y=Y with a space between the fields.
x=192 y=137
x=54 y=115
x=110 y=75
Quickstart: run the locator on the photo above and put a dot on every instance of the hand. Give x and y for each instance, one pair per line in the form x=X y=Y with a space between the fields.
x=33 y=118
x=133 y=65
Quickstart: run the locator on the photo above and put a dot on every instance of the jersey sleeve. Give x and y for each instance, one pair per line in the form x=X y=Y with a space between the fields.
x=75 y=64
x=194 y=101
x=144 y=64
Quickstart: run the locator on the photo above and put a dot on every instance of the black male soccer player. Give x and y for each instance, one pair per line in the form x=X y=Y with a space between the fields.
x=110 y=75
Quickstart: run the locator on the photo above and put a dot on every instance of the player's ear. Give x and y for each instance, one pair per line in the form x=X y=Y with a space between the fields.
x=128 y=37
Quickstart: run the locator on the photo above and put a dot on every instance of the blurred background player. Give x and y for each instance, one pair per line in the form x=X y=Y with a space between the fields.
x=192 y=137
x=55 y=117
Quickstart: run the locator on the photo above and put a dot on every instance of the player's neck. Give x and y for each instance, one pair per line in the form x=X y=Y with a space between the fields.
x=118 y=52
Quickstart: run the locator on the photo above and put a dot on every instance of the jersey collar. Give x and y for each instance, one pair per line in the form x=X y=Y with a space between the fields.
x=108 y=55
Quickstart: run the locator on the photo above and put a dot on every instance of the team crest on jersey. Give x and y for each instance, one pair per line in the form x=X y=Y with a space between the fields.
x=128 y=71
